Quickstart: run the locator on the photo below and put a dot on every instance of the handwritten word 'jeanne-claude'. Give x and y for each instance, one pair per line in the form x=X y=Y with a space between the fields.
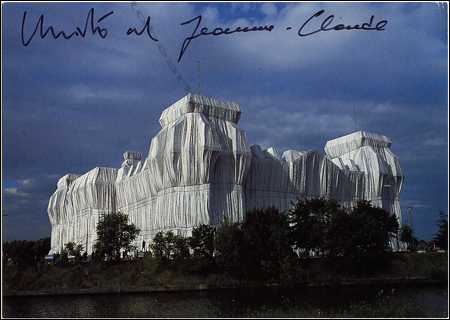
x=325 y=26
x=216 y=32
x=90 y=25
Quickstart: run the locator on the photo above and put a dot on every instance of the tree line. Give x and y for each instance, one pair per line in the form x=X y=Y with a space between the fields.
x=25 y=253
x=266 y=245
x=268 y=242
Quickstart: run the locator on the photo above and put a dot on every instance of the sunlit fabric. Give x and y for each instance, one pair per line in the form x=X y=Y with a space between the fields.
x=201 y=169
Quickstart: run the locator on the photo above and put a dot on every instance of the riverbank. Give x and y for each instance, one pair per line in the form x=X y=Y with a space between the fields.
x=203 y=287
x=360 y=301
x=152 y=275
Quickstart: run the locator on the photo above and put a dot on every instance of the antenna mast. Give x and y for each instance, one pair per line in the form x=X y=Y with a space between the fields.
x=354 y=113
x=79 y=162
x=198 y=73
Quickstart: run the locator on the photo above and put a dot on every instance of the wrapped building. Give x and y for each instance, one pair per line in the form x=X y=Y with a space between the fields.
x=201 y=169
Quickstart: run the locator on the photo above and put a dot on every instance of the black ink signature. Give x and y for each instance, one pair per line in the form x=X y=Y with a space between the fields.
x=78 y=32
x=326 y=22
x=103 y=32
x=146 y=27
x=215 y=32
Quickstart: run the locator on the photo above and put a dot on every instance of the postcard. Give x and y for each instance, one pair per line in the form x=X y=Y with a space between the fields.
x=85 y=83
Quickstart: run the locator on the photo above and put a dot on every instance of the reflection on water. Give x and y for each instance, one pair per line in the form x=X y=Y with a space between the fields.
x=221 y=303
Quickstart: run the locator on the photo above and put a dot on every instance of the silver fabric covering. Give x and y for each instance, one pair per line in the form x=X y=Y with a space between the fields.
x=201 y=169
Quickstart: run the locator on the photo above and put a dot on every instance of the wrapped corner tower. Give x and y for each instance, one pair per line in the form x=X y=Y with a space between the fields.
x=201 y=169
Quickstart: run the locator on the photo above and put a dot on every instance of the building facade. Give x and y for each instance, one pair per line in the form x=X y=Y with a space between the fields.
x=201 y=169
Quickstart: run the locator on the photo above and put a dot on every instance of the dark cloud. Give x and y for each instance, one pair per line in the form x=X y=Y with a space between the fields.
x=104 y=96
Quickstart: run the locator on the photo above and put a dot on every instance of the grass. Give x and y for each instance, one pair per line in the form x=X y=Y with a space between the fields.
x=383 y=306
x=144 y=272
x=151 y=272
x=406 y=265
x=428 y=264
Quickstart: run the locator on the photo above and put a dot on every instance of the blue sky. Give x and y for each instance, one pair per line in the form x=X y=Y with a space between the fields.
x=103 y=96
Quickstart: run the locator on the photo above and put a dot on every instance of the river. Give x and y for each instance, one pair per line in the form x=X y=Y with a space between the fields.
x=426 y=300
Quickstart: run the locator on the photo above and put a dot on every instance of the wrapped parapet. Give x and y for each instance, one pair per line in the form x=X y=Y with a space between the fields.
x=201 y=169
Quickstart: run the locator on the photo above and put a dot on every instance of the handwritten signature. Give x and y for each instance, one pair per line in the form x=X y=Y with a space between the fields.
x=103 y=32
x=94 y=28
x=215 y=32
x=327 y=21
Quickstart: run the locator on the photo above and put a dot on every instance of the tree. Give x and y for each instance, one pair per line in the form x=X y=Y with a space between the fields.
x=357 y=240
x=322 y=224
x=21 y=253
x=407 y=235
x=75 y=250
x=202 y=241
x=266 y=243
x=181 y=247
x=41 y=248
x=170 y=244
x=441 y=239
x=310 y=219
x=70 y=247
x=78 y=250
x=230 y=242
x=159 y=245
x=366 y=230
x=114 y=235
x=257 y=247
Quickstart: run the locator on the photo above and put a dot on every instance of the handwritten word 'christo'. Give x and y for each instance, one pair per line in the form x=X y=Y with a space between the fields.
x=94 y=28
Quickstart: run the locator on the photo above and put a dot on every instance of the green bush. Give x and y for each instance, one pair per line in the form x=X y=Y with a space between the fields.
x=291 y=273
x=11 y=277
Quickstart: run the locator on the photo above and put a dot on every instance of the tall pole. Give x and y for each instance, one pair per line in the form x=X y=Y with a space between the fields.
x=79 y=162
x=198 y=77
x=410 y=218
x=354 y=113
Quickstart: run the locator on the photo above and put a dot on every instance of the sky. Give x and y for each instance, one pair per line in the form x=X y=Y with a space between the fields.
x=70 y=105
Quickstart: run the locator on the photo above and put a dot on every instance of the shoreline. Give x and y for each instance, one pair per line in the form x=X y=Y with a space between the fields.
x=205 y=287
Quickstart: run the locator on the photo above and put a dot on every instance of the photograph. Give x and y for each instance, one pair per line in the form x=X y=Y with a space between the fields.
x=225 y=159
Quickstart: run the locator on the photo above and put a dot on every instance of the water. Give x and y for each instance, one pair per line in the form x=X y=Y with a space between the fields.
x=431 y=300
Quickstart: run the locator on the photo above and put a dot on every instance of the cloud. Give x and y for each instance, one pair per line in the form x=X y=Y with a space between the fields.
x=291 y=130
x=437 y=142
x=269 y=9
x=15 y=193
x=413 y=204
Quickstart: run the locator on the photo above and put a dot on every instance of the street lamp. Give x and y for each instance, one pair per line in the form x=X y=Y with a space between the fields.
x=410 y=218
